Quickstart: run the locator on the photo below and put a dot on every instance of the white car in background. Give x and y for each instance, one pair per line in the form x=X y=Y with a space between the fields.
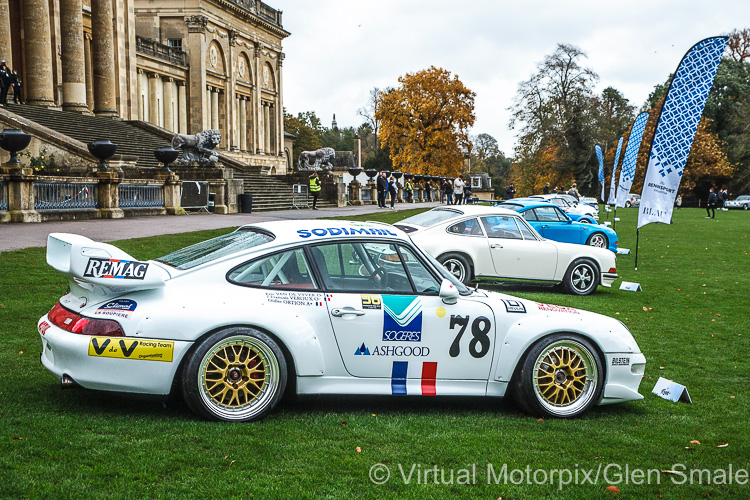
x=570 y=205
x=490 y=242
x=742 y=202
x=320 y=307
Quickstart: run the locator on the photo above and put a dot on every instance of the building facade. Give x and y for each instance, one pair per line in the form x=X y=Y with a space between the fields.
x=183 y=65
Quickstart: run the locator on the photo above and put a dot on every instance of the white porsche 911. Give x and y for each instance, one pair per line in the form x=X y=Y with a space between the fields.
x=491 y=242
x=334 y=307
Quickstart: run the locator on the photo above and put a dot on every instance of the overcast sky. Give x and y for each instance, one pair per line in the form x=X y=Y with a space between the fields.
x=341 y=49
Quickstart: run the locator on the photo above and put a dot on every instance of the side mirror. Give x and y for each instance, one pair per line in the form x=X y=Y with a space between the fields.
x=448 y=292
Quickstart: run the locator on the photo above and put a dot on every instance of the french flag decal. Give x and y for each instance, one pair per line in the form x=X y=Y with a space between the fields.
x=328 y=298
x=398 y=378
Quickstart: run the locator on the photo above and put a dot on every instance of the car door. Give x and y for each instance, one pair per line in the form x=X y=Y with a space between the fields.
x=390 y=323
x=553 y=224
x=516 y=252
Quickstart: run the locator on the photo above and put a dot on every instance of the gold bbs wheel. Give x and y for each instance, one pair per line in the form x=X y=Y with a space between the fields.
x=235 y=375
x=561 y=376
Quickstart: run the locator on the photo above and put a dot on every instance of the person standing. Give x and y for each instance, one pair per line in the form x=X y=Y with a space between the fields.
x=458 y=190
x=467 y=194
x=448 y=188
x=546 y=189
x=17 y=84
x=408 y=191
x=711 y=204
x=315 y=189
x=510 y=191
x=392 y=190
x=428 y=190
x=678 y=201
x=382 y=185
x=723 y=197
x=573 y=191
x=441 y=191
x=4 y=83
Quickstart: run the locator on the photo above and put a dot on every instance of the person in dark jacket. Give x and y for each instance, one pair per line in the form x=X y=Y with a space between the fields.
x=448 y=189
x=546 y=189
x=382 y=185
x=4 y=83
x=17 y=84
x=711 y=204
x=393 y=190
x=510 y=192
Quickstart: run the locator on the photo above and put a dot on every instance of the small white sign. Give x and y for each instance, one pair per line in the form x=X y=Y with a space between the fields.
x=631 y=287
x=623 y=251
x=671 y=391
x=607 y=223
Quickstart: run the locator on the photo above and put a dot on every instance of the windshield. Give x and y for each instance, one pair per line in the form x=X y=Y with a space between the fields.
x=213 y=249
x=432 y=217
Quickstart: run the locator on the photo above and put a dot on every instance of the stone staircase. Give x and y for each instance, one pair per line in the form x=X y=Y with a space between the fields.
x=273 y=193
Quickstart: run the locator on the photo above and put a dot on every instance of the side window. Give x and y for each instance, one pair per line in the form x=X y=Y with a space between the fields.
x=281 y=270
x=525 y=231
x=361 y=266
x=502 y=226
x=424 y=282
x=530 y=215
x=466 y=228
x=547 y=214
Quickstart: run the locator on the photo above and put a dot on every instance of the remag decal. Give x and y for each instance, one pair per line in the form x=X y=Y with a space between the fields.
x=115 y=268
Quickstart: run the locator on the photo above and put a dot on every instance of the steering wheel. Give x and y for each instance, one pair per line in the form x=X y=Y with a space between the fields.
x=379 y=278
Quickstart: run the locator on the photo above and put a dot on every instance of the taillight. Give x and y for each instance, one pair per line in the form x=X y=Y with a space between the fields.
x=613 y=270
x=75 y=323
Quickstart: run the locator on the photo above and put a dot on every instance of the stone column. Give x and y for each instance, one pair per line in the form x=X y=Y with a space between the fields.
x=89 y=72
x=182 y=107
x=153 y=103
x=73 y=56
x=267 y=128
x=20 y=181
x=355 y=192
x=215 y=109
x=103 y=54
x=109 y=200
x=39 y=91
x=207 y=116
x=6 y=47
x=243 y=123
x=272 y=132
x=169 y=103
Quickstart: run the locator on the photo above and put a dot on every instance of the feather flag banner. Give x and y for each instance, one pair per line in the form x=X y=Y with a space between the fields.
x=676 y=128
x=600 y=157
x=627 y=171
x=613 y=184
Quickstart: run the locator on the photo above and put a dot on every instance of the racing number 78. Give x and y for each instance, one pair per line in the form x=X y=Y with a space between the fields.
x=479 y=345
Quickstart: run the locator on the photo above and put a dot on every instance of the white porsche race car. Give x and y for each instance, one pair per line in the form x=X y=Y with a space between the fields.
x=335 y=307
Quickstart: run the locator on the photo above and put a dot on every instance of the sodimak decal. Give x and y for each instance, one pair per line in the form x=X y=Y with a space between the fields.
x=402 y=318
x=119 y=308
x=115 y=268
x=514 y=306
x=139 y=349
x=392 y=350
x=557 y=309
x=371 y=302
x=343 y=231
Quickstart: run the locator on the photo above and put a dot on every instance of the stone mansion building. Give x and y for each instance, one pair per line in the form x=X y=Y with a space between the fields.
x=182 y=65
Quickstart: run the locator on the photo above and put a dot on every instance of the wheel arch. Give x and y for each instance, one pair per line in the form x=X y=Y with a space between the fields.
x=465 y=255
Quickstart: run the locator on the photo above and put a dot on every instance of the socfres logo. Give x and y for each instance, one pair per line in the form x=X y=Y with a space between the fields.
x=115 y=268
x=402 y=318
x=393 y=350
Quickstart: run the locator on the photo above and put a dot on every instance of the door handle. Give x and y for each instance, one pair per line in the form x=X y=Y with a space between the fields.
x=545 y=227
x=347 y=310
x=496 y=245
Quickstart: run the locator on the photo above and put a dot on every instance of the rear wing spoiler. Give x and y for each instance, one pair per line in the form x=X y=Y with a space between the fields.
x=90 y=264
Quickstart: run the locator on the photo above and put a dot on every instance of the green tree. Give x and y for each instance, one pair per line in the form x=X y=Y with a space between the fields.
x=307 y=128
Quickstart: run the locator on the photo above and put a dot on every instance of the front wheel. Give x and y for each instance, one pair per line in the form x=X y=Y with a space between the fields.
x=598 y=240
x=628 y=204
x=561 y=376
x=745 y=206
x=582 y=277
x=235 y=375
x=457 y=265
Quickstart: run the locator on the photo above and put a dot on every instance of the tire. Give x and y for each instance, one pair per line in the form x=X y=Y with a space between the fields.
x=582 y=277
x=745 y=206
x=628 y=204
x=235 y=375
x=598 y=240
x=457 y=265
x=561 y=376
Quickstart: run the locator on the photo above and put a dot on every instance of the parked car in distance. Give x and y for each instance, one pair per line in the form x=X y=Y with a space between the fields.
x=570 y=205
x=554 y=224
x=491 y=242
x=593 y=202
x=233 y=322
x=742 y=202
x=633 y=200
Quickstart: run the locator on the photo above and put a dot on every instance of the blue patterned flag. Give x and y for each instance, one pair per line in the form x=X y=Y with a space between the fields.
x=599 y=157
x=613 y=184
x=676 y=128
x=627 y=171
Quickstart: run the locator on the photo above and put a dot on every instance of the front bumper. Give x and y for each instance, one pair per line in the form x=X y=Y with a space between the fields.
x=65 y=353
x=624 y=375
x=608 y=279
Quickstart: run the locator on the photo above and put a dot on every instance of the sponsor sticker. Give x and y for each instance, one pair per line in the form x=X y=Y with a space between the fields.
x=119 y=308
x=621 y=361
x=402 y=318
x=429 y=376
x=139 y=349
x=559 y=309
x=391 y=350
x=371 y=302
x=305 y=299
x=43 y=327
x=514 y=306
x=115 y=268
x=343 y=231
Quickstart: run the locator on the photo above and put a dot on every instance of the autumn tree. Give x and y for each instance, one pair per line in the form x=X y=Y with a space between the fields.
x=425 y=122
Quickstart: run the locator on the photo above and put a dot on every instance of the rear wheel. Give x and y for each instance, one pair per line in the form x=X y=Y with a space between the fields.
x=457 y=265
x=582 y=277
x=561 y=376
x=745 y=206
x=628 y=204
x=598 y=240
x=235 y=375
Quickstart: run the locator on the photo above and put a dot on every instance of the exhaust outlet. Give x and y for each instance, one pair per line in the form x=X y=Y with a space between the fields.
x=67 y=382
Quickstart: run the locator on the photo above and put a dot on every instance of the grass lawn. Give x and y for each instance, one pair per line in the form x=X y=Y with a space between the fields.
x=691 y=320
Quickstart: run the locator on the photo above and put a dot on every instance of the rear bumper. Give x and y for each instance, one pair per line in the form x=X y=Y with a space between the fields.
x=608 y=279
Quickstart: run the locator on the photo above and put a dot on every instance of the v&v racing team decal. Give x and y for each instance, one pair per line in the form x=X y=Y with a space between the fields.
x=402 y=318
x=139 y=349
x=115 y=268
x=120 y=308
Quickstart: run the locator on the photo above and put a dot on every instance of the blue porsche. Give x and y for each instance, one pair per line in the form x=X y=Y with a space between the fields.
x=554 y=224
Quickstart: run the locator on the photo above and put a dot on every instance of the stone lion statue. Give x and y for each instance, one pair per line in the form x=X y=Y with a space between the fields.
x=321 y=159
x=199 y=147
